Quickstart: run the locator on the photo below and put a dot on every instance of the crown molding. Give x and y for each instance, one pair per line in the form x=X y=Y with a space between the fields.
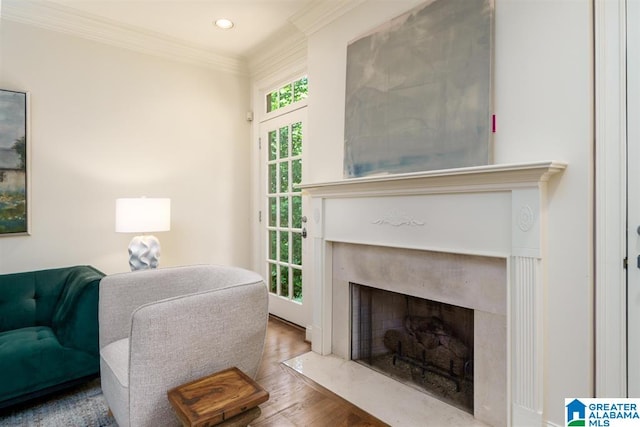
x=56 y=17
x=320 y=13
x=289 y=45
x=280 y=51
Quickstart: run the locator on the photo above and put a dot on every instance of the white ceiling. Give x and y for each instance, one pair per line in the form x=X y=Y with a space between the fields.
x=265 y=31
x=191 y=21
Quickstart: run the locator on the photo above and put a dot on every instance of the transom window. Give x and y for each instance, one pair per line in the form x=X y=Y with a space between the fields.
x=287 y=94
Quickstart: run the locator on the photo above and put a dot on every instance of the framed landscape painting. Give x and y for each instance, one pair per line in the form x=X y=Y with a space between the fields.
x=13 y=163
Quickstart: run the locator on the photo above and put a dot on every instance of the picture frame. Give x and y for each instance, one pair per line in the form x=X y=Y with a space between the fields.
x=14 y=163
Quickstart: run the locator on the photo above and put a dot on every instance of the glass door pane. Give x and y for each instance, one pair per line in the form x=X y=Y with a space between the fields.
x=283 y=224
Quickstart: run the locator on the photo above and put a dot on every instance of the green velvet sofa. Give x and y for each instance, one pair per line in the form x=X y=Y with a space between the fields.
x=48 y=331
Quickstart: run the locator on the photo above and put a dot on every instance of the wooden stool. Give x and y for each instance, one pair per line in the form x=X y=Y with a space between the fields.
x=227 y=398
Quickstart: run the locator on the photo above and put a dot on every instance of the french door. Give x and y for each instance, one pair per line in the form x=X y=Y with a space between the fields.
x=282 y=216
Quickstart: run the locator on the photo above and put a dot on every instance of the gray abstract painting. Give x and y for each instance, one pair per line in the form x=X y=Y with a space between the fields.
x=418 y=91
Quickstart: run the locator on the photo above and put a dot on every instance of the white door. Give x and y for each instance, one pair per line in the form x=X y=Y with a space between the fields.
x=633 y=197
x=283 y=220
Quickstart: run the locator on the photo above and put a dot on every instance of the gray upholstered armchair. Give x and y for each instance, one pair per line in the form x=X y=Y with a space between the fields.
x=162 y=328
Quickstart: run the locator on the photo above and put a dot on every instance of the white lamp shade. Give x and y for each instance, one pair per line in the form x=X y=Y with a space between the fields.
x=143 y=215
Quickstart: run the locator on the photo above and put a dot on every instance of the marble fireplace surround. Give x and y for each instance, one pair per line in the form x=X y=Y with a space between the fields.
x=474 y=282
x=490 y=213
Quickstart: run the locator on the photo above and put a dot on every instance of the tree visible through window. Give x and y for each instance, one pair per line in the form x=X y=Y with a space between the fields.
x=285 y=211
x=284 y=145
x=287 y=94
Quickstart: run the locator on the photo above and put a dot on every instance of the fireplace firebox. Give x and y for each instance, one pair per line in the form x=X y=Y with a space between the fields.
x=423 y=343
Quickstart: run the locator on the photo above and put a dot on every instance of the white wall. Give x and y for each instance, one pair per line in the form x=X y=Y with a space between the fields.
x=107 y=123
x=544 y=101
x=544 y=106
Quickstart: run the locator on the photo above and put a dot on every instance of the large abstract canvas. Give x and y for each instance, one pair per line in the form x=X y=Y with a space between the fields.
x=418 y=91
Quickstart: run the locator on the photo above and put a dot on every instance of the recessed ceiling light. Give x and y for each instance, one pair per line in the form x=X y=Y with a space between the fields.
x=223 y=23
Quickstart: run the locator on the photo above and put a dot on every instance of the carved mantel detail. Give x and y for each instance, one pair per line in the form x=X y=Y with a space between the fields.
x=526 y=218
x=398 y=218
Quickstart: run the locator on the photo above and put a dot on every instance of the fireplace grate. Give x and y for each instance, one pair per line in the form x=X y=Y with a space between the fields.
x=422 y=343
x=427 y=366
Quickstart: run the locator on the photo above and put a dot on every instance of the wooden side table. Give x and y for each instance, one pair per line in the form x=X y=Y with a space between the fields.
x=227 y=398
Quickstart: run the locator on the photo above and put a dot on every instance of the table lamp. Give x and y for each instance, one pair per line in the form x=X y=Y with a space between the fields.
x=143 y=215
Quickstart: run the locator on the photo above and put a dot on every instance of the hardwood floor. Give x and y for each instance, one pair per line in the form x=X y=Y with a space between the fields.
x=294 y=399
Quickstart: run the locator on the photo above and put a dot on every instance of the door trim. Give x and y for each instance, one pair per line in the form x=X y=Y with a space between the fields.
x=610 y=198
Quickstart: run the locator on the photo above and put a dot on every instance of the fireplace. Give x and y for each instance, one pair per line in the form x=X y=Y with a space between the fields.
x=472 y=282
x=470 y=237
x=423 y=343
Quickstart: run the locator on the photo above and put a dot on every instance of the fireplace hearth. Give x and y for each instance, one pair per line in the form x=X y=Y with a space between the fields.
x=423 y=343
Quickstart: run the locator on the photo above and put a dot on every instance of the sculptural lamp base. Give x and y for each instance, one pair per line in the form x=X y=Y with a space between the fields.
x=144 y=252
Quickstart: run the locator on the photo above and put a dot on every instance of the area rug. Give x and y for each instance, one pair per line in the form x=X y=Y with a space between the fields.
x=82 y=406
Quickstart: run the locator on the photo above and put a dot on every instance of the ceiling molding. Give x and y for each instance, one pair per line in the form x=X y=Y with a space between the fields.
x=289 y=45
x=280 y=51
x=320 y=13
x=56 y=17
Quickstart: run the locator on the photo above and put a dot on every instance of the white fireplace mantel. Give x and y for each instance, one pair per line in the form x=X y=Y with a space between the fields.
x=495 y=210
x=477 y=178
